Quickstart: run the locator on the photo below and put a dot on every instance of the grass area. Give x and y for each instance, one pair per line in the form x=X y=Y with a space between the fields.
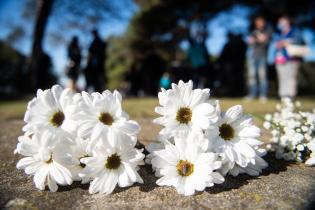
x=12 y=109
x=144 y=107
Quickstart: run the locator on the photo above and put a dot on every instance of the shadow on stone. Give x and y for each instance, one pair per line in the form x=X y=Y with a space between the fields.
x=73 y=186
x=311 y=205
x=121 y=189
x=275 y=165
x=139 y=145
x=149 y=179
x=230 y=183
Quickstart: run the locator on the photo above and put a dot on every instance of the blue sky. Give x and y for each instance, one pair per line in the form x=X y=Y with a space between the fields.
x=10 y=14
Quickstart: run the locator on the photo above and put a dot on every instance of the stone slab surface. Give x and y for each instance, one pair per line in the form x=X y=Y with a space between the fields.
x=282 y=186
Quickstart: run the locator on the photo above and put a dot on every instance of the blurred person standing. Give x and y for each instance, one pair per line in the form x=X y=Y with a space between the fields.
x=95 y=71
x=257 y=59
x=198 y=58
x=287 y=65
x=73 y=69
x=232 y=66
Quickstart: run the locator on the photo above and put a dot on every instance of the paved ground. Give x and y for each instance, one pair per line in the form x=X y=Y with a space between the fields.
x=282 y=186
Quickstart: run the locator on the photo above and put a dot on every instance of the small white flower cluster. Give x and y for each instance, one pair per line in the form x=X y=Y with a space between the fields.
x=79 y=137
x=293 y=132
x=199 y=143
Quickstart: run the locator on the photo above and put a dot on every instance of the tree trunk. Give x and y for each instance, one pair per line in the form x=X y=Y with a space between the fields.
x=43 y=11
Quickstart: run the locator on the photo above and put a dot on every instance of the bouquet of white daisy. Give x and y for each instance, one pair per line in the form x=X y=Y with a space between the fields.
x=293 y=132
x=89 y=138
x=199 y=143
x=79 y=137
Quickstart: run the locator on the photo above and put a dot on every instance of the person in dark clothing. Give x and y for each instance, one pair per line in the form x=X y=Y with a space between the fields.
x=153 y=67
x=257 y=60
x=74 y=54
x=95 y=70
x=232 y=63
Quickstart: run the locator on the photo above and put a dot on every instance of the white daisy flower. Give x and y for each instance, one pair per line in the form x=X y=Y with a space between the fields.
x=79 y=151
x=234 y=138
x=46 y=159
x=151 y=148
x=111 y=165
x=186 y=166
x=252 y=169
x=311 y=160
x=26 y=136
x=184 y=109
x=52 y=110
x=102 y=115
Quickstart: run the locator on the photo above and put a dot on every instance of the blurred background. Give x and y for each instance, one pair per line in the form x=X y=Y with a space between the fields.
x=236 y=48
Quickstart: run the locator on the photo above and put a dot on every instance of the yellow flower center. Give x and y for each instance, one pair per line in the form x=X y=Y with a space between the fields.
x=106 y=118
x=113 y=162
x=226 y=131
x=50 y=160
x=82 y=164
x=185 y=168
x=184 y=115
x=57 y=119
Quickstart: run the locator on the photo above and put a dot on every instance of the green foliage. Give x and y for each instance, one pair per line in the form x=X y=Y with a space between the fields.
x=8 y=54
x=10 y=64
x=116 y=77
x=117 y=62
